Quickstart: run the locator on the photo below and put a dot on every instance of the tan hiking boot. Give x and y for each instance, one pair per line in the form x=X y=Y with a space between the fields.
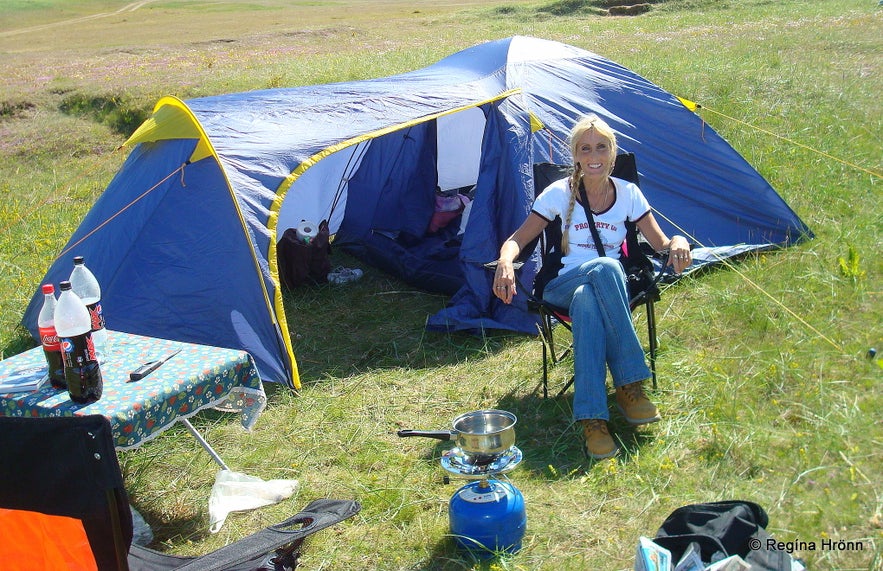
x=599 y=443
x=634 y=404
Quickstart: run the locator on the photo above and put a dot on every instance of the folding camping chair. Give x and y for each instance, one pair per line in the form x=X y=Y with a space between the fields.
x=641 y=278
x=63 y=471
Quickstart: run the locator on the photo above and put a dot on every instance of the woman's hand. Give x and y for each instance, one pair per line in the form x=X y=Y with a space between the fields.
x=504 y=281
x=504 y=275
x=679 y=256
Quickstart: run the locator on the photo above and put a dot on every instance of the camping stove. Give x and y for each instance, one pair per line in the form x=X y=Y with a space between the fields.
x=487 y=515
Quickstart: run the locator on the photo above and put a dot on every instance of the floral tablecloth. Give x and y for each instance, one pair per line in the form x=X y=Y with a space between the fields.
x=197 y=377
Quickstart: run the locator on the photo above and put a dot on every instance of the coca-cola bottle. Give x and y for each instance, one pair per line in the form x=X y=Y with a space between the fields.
x=74 y=326
x=49 y=338
x=85 y=285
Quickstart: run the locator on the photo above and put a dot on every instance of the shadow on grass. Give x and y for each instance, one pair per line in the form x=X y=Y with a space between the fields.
x=111 y=110
x=137 y=467
x=448 y=555
x=552 y=449
x=550 y=442
x=376 y=322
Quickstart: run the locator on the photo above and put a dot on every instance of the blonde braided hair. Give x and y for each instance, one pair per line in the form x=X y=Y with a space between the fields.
x=585 y=124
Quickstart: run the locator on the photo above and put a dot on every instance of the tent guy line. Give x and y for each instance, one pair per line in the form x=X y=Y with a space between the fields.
x=89 y=171
x=793 y=142
x=107 y=220
x=726 y=263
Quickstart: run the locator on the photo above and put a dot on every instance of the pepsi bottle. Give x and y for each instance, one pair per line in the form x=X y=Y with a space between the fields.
x=49 y=338
x=82 y=372
x=85 y=285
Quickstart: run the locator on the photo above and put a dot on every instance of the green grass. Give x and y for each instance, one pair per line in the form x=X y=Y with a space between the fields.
x=764 y=385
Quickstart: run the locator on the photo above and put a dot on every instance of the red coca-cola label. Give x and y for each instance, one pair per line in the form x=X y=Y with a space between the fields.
x=49 y=339
x=96 y=315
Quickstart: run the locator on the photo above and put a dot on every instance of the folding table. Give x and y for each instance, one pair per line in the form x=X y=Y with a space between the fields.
x=196 y=378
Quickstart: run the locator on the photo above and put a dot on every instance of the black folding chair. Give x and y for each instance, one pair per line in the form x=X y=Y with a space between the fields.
x=67 y=466
x=641 y=277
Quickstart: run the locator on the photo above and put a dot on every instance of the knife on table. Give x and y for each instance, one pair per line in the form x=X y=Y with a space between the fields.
x=149 y=367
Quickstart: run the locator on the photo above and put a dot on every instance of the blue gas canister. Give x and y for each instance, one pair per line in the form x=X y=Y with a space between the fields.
x=487 y=517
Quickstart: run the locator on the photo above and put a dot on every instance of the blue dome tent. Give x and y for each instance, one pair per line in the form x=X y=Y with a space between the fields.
x=184 y=238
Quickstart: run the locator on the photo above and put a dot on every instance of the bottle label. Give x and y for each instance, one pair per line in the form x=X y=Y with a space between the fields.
x=96 y=315
x=49 y=339
x=78 y=350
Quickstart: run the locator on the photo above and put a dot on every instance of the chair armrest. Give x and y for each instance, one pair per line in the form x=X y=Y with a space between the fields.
x=493 y=265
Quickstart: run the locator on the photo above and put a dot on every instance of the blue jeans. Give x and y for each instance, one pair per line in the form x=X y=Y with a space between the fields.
x=603 y=334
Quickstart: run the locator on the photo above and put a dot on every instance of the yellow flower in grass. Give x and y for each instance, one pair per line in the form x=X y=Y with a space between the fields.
x=611 y=466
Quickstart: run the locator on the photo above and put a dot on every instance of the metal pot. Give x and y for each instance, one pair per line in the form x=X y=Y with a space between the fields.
x=479 y=433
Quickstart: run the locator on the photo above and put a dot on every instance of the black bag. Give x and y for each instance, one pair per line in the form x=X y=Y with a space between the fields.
x=635 y=259
x=722 y=529
x=301 y=262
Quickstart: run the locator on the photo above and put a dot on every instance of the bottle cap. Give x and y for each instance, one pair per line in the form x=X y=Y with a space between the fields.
x=48 y=288
x=79 y=260
x=64 y=286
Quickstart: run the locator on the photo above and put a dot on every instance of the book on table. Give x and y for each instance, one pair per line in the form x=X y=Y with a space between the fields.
x=24 y=380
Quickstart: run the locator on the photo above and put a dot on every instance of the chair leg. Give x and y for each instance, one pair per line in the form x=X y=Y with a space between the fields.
x=565 y=387
x=548 y=336
x=545 y=369
x=549 y=348
x=651 y=333
x=549 y=355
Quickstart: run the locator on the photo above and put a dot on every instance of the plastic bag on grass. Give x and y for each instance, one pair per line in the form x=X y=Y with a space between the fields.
x=142 y=534
x=236 y=492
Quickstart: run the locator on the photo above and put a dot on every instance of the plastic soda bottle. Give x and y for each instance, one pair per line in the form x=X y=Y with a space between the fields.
x=74 y=327
x=85 y=285
x=49 y=338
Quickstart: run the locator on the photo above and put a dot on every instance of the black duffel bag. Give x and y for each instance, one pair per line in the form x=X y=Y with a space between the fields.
x=304 y=262
x=722 y=529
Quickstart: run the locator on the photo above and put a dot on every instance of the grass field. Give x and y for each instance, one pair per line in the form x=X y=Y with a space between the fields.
x=765 y=387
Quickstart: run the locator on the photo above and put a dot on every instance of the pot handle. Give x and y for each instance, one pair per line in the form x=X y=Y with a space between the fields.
x=438 y=434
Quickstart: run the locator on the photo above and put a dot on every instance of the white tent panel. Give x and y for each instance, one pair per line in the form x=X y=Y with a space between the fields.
x=459 y=148
x=309 y=197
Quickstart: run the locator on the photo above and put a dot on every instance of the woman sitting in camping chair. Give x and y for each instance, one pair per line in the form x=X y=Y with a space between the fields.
x=591 y=284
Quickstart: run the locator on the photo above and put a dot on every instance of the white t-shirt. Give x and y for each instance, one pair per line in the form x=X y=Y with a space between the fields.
x=628 y=204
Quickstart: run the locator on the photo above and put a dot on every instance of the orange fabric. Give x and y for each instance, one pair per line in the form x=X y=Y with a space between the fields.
x=32 y=540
